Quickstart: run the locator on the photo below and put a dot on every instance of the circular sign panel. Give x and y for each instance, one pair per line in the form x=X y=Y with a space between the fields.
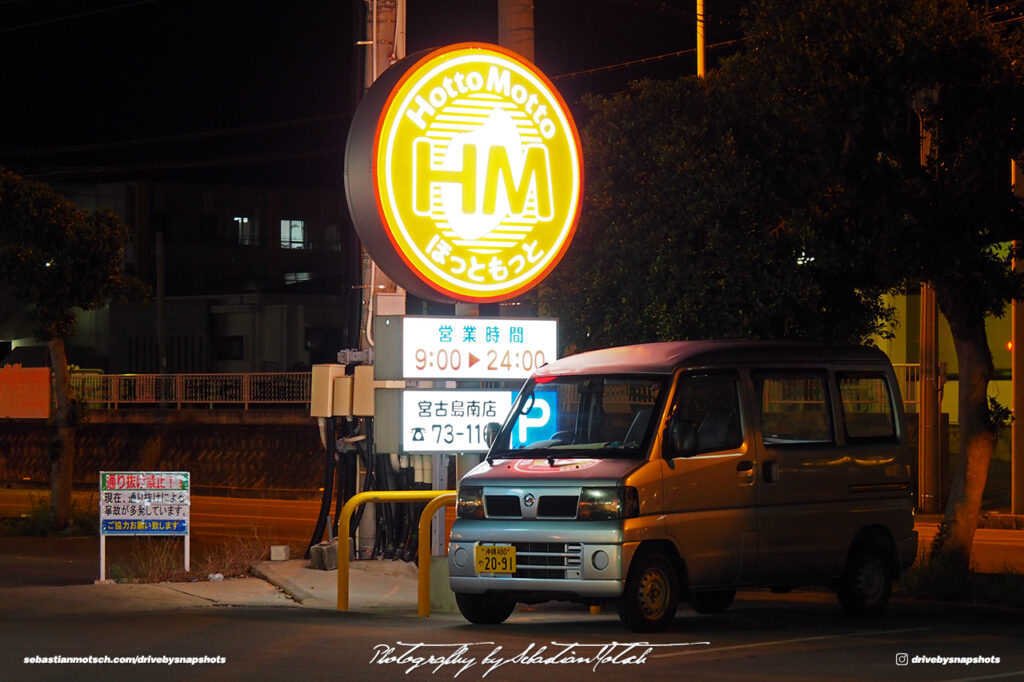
x=475 y=174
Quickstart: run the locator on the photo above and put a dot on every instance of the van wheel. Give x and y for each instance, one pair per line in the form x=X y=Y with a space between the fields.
x=485 y=609
x=649 y=601
x=866 y=582
x=714 y=601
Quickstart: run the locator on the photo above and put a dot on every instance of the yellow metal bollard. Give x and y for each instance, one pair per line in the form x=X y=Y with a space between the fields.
x=346 y=518
x=423 y=574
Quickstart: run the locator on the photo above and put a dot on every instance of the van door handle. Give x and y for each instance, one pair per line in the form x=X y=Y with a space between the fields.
x=745 y=469
x=770 y=471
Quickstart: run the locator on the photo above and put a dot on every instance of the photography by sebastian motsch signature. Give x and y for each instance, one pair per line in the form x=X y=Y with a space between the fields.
x=457 y=658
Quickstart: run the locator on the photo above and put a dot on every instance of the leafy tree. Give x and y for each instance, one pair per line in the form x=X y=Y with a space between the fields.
x=58 y=258
x=681 y=237
x=778 y=198
x=854 y=88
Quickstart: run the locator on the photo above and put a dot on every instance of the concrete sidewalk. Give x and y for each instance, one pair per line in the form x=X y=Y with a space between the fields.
x=57 y=575
x=373 y=585
x=60 y=600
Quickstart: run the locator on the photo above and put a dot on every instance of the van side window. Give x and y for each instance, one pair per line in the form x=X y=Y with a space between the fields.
x=867 y=406
x=710 y=401
x=794 y=408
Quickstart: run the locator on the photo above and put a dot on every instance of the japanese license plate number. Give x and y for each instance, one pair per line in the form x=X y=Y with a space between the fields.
x=495 y=559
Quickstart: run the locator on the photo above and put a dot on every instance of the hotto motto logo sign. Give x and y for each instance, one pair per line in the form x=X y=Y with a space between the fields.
x=474 y=173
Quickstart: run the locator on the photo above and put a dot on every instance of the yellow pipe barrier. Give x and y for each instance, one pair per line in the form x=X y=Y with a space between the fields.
x=423 y=574
x=346 y=518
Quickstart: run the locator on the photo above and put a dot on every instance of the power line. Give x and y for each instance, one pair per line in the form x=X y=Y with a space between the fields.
x=75 y=16
x=645 y=60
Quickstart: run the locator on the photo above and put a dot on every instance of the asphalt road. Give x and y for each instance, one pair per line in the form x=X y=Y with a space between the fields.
x=800 y=636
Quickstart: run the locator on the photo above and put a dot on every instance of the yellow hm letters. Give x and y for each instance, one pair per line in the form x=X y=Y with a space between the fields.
x=533 y=180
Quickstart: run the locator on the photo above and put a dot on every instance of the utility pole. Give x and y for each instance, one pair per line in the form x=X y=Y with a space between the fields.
x=515 y=26
x=929 y=410
x=385 y=40
x=700 y=39
x=1017 y=365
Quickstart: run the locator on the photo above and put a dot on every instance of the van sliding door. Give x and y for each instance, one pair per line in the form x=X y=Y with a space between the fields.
x=800 y=477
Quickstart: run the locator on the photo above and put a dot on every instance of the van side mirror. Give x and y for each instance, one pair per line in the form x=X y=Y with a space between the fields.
x=680 y=439
x=491 y=432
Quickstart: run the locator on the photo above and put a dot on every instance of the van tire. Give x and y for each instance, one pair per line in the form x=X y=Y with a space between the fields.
x=713 y=601
x=651 y=595
x=866 y=582
x=485 y=609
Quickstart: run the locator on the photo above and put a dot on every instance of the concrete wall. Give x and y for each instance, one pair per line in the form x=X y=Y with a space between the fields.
x=274 y=456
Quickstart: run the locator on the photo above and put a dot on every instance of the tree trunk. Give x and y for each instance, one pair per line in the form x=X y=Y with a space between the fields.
x=62 y=453
x=977 y=433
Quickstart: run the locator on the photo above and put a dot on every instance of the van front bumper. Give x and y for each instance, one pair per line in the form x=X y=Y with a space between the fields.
x=554 y=589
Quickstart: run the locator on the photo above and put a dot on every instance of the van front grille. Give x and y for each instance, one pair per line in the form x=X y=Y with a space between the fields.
x=557 y=506
x=502 y=505
x=548 y=560
x=548 y=506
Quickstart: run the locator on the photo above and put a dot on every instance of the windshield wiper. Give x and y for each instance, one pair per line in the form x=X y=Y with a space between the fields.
x=491 y=456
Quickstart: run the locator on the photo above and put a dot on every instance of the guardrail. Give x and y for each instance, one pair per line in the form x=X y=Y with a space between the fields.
x=133 y=390
x=274 y=388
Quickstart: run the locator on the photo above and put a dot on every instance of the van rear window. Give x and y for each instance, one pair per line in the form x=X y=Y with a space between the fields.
x=867 y=406
x=794 y=409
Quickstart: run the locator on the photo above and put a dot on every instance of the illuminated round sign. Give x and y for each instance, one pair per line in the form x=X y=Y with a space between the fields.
x=464 y=174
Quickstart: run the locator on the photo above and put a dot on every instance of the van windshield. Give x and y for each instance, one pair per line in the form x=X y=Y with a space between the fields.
x=581 y=416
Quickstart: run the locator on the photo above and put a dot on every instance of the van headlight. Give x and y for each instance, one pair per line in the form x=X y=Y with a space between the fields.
x=470 y=502
x=606 y=503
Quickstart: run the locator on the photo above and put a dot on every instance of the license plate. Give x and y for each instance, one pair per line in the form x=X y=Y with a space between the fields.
x=495 y=559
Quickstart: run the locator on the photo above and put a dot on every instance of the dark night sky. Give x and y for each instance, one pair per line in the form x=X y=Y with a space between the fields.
x=260 y=91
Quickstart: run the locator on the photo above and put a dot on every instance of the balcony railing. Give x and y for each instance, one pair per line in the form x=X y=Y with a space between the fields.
x=909 y=379
x=189 y=390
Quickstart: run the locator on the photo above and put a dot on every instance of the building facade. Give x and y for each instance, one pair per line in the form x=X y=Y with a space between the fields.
x=240 y=280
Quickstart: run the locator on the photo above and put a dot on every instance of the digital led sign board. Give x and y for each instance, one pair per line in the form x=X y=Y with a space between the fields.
x=476 y=347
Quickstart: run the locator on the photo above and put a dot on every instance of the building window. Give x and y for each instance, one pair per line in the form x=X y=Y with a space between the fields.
x=246 y=231
x=296 y=277
x=293 y=234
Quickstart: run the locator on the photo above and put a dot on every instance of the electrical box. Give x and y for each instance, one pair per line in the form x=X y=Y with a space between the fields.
x=342 y=406
x=388 y=420
x=387 y=330
x=321 y=396
x=362 y=391
x=390 y=304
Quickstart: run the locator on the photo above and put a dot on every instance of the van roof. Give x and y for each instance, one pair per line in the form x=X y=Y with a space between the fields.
x=665 y=357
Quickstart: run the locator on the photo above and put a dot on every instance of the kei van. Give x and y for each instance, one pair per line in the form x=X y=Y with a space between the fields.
x=686 y=470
